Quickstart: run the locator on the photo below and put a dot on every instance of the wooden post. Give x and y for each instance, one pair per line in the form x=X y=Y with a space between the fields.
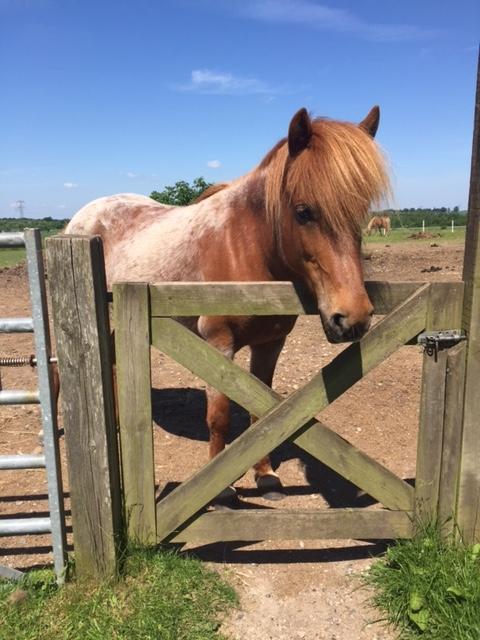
x=76 y=275
x=468 y=510
x=429 y=446
x=452 y=437
x=132 y=347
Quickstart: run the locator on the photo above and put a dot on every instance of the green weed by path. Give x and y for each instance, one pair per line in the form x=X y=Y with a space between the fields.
x=162 y=596
x=429 y=588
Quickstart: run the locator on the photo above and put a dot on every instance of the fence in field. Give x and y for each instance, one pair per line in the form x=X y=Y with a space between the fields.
x=111 y=485
x=44 y=396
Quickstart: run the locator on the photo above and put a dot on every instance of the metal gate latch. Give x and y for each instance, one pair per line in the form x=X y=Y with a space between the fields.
x=434 y=341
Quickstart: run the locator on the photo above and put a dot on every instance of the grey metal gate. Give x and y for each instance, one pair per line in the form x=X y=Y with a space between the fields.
x=50 y=459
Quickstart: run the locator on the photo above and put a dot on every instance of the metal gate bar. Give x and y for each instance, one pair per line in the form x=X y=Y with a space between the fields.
x=55 y=524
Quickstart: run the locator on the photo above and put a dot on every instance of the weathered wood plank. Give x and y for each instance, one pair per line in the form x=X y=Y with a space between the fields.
x=468 y=515
x=80 y=313
x=385 y=296
x=357 y=467
x=263 y=524
x=132 y=348
x=265 y=298
x=452 y=436
x=446 y=306
x=293 y=414
x=430 y=436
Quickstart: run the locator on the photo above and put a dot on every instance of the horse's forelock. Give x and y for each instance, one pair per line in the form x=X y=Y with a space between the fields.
x=341 y=174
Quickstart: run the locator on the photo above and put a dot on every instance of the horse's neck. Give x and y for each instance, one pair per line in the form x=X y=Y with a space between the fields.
x=242 y=246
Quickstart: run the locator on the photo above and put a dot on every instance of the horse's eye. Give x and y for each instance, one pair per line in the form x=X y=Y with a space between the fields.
x=304 y=214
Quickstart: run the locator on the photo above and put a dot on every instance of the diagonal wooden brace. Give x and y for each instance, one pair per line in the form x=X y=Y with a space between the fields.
x=281 y=419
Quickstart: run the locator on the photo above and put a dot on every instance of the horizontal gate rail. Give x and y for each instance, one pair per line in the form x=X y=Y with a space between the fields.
x=24 y=526
x=254 y=524
x=8 y=240
x=294 y=414
x=16 y=325
x=16 y=396
x=22 y=462
x=272 y=298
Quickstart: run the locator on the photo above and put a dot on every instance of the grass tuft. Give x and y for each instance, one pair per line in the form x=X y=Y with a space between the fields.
x=162 y=596
x=429 y=588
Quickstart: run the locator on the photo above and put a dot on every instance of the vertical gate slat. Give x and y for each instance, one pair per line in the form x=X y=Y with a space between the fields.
x=132 y=348
x=430 y=437
x=452 y=436
x=76 y=277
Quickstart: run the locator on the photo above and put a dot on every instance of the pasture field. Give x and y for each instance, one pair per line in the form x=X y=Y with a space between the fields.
x=11 y=257
x=433 y=234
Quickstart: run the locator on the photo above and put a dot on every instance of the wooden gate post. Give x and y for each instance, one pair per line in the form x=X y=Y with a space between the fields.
x=468 y=510
x=76 y=276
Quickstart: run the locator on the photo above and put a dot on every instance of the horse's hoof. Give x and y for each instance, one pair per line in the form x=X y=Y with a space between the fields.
x=271 y=487
x=226 y=499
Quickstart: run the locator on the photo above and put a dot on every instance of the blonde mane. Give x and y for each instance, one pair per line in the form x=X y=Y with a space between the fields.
x=340 y=175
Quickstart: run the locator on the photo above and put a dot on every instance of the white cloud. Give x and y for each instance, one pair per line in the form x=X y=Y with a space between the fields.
x=214 y=82
x=214 y=164
x=130 y=174
x=70 y=185
x=61 y=206
x=308 y=13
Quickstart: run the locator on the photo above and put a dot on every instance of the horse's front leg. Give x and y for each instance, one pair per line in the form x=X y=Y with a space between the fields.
x=219 y=336
x=262 y=364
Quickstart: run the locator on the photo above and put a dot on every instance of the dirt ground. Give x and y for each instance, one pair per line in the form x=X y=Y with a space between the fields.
x=288 y=590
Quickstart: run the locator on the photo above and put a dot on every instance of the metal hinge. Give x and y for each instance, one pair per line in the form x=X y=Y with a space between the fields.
x=434 y=341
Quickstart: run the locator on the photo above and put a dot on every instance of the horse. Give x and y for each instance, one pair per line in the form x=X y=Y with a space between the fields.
x=381 y=224
x=296 y=216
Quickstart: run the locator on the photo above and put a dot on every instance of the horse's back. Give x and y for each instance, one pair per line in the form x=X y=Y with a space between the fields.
x=112 y=215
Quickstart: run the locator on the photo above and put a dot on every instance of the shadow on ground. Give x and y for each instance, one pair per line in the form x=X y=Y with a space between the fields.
x=181 y=412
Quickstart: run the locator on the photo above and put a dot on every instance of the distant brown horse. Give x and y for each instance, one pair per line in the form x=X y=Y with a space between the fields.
x=381 y=224
x=297 y=216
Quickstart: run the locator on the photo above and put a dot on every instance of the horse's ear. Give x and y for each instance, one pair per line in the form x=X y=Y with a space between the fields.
x=299 y=132
x=371 y=122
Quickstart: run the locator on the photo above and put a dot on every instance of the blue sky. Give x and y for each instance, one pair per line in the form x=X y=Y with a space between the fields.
x=106 y=97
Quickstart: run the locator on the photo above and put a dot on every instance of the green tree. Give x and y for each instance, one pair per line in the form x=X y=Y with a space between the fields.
x=181 y=193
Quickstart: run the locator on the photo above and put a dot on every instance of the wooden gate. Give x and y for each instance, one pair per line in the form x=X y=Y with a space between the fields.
x=142 y=317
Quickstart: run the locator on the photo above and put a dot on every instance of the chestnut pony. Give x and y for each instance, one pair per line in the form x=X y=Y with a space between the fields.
x=381 y=224
x=297 y=216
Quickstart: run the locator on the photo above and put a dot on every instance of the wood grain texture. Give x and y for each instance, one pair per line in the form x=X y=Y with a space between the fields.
x=468 y=513
x=80 y=313
x=263 y=298
x=430 y=437
x=265 y=524
x=132 y=349
x=452 y=436
x=292 y=415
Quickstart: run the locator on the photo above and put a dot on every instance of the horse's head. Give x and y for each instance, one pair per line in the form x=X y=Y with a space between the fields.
x=320 y=184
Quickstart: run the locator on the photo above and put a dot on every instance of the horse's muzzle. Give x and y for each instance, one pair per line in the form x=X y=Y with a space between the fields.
x=338 y=328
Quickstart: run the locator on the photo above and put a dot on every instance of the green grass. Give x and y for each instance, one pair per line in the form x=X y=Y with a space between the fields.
x=402 y=235
x=11 y=257
x=162 y=596
x=429 y=588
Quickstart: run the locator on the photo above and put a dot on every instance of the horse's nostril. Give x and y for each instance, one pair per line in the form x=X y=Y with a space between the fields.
x=337 y=320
